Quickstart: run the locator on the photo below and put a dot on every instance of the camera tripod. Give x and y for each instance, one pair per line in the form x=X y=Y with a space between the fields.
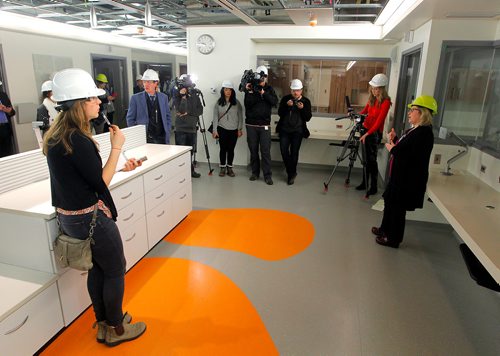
x=350 y=150
x=201 y=125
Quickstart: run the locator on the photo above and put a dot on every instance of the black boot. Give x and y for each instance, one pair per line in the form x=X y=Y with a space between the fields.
x=373 y=185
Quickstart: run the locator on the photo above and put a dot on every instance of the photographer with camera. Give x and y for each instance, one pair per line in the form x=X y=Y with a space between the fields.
x=150 y=108
x=259 y=100
x=227 y=126
x=294 y=111
x=189 y=107
x=376 y=109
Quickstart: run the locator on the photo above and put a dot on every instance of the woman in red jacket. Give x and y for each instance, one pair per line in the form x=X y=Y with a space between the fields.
x=377 y=108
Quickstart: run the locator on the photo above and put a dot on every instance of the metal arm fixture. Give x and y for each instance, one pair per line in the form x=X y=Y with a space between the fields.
x=463 y=144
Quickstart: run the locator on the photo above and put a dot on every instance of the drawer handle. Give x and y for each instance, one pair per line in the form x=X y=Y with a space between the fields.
x=163 y=212
x=160 y=177
x=182 y=181
x=161 y=195
x=130 y=238
x=84 y=273
x=183 y=196
x=182 y=164
x=17 y=327
x=130 y=217
x=127 y=196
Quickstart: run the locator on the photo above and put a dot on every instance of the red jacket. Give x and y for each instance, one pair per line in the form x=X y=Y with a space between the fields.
x=376 y=115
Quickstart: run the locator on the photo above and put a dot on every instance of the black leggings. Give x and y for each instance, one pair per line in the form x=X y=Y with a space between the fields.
x=227 y=143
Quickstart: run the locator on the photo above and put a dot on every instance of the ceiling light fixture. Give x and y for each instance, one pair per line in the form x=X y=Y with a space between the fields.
x=93 y=17
x=148 y=19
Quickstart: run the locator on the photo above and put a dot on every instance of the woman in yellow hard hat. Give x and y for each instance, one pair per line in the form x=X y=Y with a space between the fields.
x=408 y=171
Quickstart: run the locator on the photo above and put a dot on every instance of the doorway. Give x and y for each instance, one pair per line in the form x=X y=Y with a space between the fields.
x=115 y=70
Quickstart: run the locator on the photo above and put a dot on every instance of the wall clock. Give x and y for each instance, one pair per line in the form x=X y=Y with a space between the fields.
x=205 y=44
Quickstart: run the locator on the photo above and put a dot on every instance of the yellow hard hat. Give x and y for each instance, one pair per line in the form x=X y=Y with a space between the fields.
x=101 y=78
x=425 y=101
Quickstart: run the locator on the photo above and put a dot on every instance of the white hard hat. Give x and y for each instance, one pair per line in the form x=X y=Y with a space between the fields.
x=150 y=74
x=227 y=84
x=379 y=80
x=183 y=76
x=261 y=69
x=47 y=86
x=72 y=84
x=138 y=77
x=296 y=84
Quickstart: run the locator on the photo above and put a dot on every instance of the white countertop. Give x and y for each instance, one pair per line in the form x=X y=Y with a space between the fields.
x=464 y=200
x=35 y=199
x=19 y=285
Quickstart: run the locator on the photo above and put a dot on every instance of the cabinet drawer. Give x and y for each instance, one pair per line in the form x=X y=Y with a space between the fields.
x=128 y=215
x=180 y=181
x=182 y=204
x=158 y=195
x=32 y=325
x=159 y=222
x=127 y=193
x=135 y=241
x=161 y=174
x=74 y=295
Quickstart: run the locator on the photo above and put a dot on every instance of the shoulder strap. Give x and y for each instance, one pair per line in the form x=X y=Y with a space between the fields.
x=230 y=104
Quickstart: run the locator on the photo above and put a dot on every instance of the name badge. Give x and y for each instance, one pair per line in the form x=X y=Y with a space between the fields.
x=266 y=128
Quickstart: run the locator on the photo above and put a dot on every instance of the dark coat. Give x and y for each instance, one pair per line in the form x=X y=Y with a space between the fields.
x=285 y=113
x=410 y=168
x=258 y=107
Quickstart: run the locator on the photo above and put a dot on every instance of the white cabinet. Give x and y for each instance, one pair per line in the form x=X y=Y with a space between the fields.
x=31 y=326
x=73 y=293
x=135 y=241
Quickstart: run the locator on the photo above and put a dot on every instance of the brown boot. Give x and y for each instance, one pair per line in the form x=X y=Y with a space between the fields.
x=115 y=335
x=101 y=327
x=222 y=172
x=230 y=171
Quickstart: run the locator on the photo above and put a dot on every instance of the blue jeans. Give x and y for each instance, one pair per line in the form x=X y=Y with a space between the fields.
x=106 y=280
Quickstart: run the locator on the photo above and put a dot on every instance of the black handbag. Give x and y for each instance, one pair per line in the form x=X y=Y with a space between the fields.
x=75 y=253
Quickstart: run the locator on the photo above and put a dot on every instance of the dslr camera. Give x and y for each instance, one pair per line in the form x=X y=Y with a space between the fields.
x=252 y=78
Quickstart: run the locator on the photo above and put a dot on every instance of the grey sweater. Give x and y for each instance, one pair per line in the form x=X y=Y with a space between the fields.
x=233 y=120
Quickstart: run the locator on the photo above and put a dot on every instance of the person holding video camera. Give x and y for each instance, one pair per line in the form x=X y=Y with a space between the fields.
x=408 y=171
x=259 y=100
x=189 y=108
x=227 y=126
x=376 y=111
x=294 y=111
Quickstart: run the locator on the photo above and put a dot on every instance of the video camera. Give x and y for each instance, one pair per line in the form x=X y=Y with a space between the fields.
x=357 y=118
x=250 y=77
x=184 y=82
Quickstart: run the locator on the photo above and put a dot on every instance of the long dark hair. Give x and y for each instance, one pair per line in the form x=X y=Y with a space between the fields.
x=66 y=124
x=222 y=99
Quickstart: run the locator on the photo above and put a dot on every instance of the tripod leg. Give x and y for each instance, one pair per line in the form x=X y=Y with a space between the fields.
x=205 y=143
x=340 y=158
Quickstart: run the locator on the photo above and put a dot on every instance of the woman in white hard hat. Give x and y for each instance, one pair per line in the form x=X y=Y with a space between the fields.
x=79 y=186
x=294 y=111
x=227 y=126
x=408 y=171
x=376 y=109
x=46 y=112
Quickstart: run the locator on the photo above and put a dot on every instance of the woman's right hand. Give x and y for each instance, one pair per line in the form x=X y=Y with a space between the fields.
x=215 y=134
x=390 y=135
x=116 y=137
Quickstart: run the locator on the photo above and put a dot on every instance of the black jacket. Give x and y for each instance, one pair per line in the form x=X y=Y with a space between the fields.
x=288 y=114
x=258 y=107
x=409 y=170
x=42 y=114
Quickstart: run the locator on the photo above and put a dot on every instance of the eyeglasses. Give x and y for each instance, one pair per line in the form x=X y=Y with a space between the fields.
x=414 y=109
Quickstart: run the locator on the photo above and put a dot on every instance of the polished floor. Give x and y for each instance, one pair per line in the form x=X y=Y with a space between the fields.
x=294 y=271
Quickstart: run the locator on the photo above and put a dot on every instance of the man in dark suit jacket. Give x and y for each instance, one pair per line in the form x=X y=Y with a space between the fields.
x=6 y=112
x=150 y=108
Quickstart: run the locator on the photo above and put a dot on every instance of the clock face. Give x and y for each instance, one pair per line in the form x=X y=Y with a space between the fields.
x=205 y=44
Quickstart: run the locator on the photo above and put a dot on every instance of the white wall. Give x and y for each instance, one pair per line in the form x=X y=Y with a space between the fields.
x=18 y=49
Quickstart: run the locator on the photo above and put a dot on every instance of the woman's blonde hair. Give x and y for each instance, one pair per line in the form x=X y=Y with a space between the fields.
x=425 y=116
x=383 y=96
x=66 y=124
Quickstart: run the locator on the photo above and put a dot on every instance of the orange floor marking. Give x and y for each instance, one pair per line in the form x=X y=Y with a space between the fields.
x=189 y=309
x=266 y=234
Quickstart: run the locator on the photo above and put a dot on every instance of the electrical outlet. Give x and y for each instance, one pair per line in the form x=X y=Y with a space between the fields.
x=483 y=168
x=437 y=158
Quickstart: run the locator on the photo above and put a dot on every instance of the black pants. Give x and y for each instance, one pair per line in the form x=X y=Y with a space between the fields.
x=5 y=140
x=259 y=137
x=393 y=221
x=290 y=146
x=227 y=143
x=370 y=157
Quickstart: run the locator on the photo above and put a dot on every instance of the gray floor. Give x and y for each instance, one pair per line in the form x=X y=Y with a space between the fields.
x=346 y=295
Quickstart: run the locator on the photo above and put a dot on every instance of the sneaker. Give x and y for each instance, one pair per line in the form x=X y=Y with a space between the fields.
x=253 y=177
x=130 y=332
x=101 y=327
x=222 y=172
x=269 y=181
x=230 y=172
x=195 y=174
